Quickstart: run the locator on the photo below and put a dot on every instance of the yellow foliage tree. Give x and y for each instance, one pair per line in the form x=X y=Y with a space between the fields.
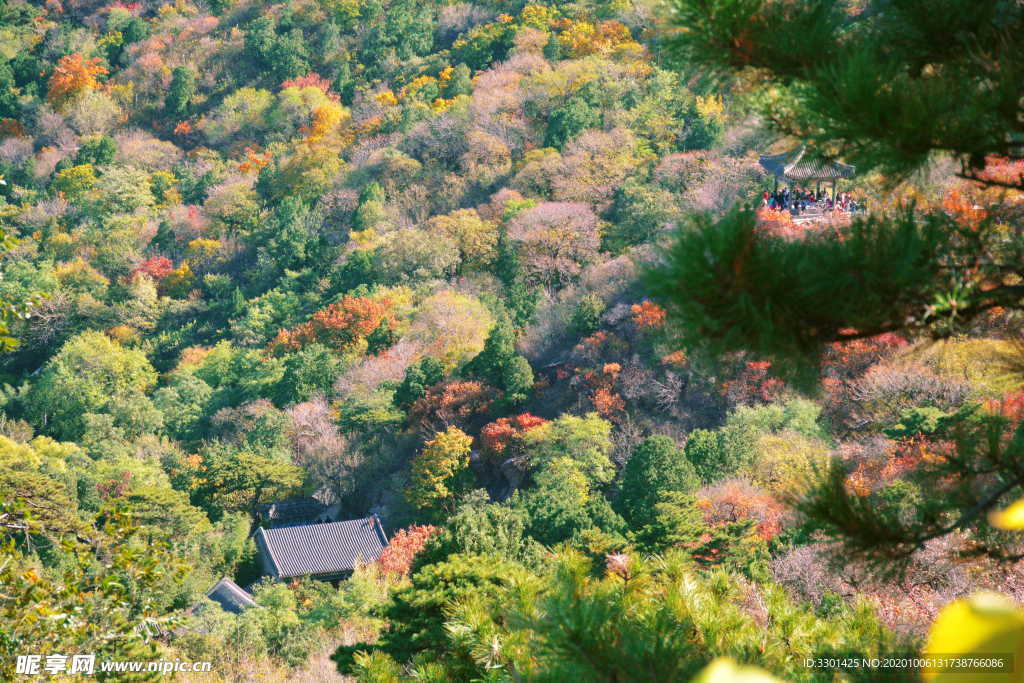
x=477 y=238
x=76 y=182
x=786 y=462
x=440 y=471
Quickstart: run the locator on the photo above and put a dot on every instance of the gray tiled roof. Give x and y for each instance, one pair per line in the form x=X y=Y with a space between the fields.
x=230 y=596
x=801 y=164
x=321 y=548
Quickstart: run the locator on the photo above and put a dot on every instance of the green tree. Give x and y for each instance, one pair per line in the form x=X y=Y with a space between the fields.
x=677 y=522
x=480 y=527
x=41 y=504
x=655 y=466
x=587 y=316
x=552 y=48
x=359 y=268
x=639 y=214
x=98 y=150
x=516 y=381
x=290 y=239
x=499 y=348
x=161 y=513
x=382 y=338
x=562 y=505
x=9 y=107
x=104 y=597
x=585 y=441
x=717 y=455
x=702 y=131
x=235 y=481
x=521 y=299
x=461 y=82
x=183 y=403
x=420 y=376
x=619 y=618
x=89 y=374
x=569 y=120
x=238 y=375
x=11 y=311
x=499 y=365
x=416 y=614
x=281 y=56
x=180 y=92
x=310 y=370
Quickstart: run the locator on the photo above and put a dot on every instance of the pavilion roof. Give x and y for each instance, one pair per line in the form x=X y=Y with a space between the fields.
x=802 y=164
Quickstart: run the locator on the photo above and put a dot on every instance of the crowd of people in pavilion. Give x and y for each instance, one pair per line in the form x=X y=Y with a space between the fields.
x=799 y=169
x=800 y=201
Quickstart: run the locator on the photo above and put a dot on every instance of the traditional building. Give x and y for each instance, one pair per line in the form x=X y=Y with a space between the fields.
x=324 y=551
x=296 y=512
x=801 y=166
x=230 y=596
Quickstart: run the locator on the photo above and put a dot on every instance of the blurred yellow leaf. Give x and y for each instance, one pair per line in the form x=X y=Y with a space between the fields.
x=725 y=670
x=983 y=624
x=1010 y=519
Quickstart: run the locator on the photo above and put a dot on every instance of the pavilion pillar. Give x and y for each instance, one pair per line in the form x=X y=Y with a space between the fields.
x=834 y=195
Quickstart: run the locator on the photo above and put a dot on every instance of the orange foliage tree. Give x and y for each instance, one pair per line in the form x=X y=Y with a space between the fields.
x=905 y=457
x=73 y=75
x=736 y=500
x=401 y=551
x=647 y=314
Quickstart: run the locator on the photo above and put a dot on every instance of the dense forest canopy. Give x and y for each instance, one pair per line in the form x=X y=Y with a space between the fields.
x=509 y=280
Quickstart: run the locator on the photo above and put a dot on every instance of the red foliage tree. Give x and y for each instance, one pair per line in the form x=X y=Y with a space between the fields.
x=846 y=360
x=901 y=458
x=753 y=384
x=451 y=404
x=401 y=551
x=502 y=435
x=156 y=267
x=607 y=403
x=1010 y=406
x=312 y=80
x=340 y=326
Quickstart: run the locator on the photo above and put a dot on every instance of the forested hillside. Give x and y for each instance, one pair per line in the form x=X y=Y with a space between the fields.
x=473 y=268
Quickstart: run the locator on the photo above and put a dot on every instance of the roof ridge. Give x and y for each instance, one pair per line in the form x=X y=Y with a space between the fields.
x=261 y=532
x=228 y=583
x=796 y=159
x=380 y=528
